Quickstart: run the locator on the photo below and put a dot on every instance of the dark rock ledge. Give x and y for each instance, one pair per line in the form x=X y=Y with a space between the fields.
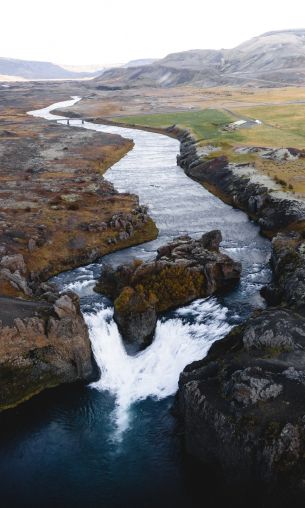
x=183 y=270
x=272 y=213
x=243 y=406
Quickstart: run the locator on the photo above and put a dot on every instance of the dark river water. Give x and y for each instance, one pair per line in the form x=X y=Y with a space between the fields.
x=116 y=442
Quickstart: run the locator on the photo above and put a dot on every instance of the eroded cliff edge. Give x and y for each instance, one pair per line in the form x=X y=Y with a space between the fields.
x=241 y=185
x=42 y=345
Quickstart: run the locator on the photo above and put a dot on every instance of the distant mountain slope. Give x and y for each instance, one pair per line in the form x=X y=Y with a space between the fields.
x=195 y=59
x=140 y=62
x=38 y=70
x=147 y=75
x=271 y=59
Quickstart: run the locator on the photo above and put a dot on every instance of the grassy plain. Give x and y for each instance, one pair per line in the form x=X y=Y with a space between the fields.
x=281 y=111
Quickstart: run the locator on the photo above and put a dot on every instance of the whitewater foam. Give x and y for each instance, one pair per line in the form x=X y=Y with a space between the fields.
x=155 y=371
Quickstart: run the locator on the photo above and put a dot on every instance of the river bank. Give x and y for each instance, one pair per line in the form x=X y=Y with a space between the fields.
x=240 y=185
x=242 y=404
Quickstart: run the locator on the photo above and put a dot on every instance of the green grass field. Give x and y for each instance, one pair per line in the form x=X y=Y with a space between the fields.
x=286 y=125
x=205 y=124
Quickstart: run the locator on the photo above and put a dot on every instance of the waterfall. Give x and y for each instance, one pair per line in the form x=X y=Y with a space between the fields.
x=154 y=372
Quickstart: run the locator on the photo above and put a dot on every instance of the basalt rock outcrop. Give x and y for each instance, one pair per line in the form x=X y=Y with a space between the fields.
x=232 y=185
x=243 y=406
x=43 y=344
x=183 y=270
x=288 y=264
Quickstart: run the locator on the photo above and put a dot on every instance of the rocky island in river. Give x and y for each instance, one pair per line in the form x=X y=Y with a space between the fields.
x=183 y=271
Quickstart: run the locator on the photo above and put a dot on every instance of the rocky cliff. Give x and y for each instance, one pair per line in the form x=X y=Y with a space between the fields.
x=243 y=405
x=234 y=185
x=42 y=344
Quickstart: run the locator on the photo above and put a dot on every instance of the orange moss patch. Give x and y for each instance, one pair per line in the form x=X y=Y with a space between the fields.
x=52 y=189
x=174 y=286
x=135 y=300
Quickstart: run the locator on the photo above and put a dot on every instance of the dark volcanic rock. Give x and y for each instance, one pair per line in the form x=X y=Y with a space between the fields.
x=135 y=314
x=272 y=213
x=288 y=264
x=243 y=406
x=184 y=270
x=41 y=346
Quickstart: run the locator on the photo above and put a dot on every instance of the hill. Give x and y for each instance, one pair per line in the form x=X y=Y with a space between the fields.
x=271 y=59
x=140 y=62
x=28 y=69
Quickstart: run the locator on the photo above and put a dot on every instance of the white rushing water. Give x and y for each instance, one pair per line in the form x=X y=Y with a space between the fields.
x=155 y=371
x=178 y=205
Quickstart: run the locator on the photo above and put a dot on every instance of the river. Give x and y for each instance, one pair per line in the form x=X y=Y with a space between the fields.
x=115 y=443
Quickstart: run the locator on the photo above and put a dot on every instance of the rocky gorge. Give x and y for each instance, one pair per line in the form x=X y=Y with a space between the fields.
x=234 y=405
x=242 y=406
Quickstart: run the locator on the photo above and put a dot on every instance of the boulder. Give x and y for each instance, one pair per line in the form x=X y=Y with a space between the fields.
x=64 y=306
x=135 y=314
x=14 y=281
x=13 y=263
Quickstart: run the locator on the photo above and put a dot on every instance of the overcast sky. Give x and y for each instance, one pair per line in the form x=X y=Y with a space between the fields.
x=113 y=31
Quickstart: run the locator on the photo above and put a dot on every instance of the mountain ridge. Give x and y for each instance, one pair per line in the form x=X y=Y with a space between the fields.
x=275 y=59
x=32 y=69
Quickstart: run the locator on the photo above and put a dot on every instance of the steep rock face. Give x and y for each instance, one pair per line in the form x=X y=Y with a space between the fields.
x=42 y=345
x=136 y=315
x=183 y=270
x=288 y=263
x=243 y=405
